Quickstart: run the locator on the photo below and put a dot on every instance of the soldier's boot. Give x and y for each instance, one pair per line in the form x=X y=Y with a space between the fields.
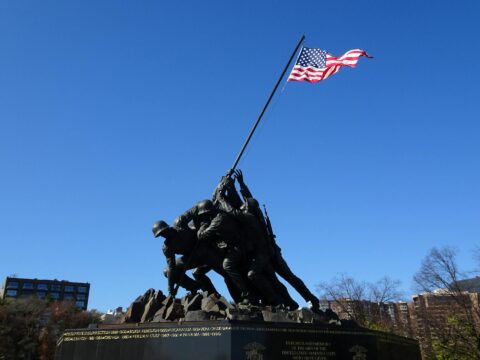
x=232 y=289
x=189 y=284
x=287 y=299
x=231 y=268
x=183 y=280
x=282 y=291
x=265 y=288
x=331 y=315
x=315 y=305
x=291 y=304
x=204 y=281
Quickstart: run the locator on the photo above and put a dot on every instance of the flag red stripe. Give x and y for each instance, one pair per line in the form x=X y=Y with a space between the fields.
x=309 y=69
x=312 y=74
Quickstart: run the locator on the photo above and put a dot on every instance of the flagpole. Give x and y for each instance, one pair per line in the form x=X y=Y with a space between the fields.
x=265 y=107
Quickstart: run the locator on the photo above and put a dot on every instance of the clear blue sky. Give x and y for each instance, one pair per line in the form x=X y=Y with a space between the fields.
x=114 y=114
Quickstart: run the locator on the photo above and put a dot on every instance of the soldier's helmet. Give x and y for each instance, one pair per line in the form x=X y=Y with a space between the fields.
x=250 y=205
x=159 y=227
x=205 y=207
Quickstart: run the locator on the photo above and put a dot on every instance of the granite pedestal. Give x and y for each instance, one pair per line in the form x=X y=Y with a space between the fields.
x=230 y=340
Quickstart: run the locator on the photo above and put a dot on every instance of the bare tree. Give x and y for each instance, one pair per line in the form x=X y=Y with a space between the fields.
x=439 y=270
x=342 y=288
x=451 y=328
x=385 y=290
x=361 y=301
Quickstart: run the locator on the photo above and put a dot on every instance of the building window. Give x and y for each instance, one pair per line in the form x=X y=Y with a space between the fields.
x=81 y=297
x=68 y=297
x=54 y=295
x=28 y=286
x=80 y=304
x=12 y=293
x=12 y=285
x=69 y=288
x=42 y=287
x=41 y=294
x=55 y=287
x=82 y=289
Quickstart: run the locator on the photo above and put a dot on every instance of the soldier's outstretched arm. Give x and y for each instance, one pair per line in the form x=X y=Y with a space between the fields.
x=219 y=190
x=244 y=190
x=183 y=220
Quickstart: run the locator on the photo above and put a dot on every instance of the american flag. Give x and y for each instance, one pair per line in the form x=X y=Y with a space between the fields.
x=314 y=65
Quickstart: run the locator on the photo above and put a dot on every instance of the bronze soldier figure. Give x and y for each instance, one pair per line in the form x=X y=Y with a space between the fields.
x=177 y=241
x=221 y=229
x=233 y=238
x=257 y=253
x=194 y=255
x=278 y=262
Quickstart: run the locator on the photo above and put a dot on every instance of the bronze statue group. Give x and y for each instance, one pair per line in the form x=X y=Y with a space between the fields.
x=231 y=236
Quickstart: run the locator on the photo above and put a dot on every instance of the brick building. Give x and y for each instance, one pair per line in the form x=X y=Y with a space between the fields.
x=15 y=288
x=431 y=312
